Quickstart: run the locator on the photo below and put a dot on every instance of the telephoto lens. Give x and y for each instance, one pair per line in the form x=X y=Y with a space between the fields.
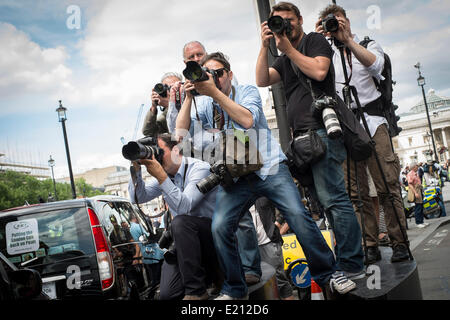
x=207 y=184
x=330 y=23
x=144 y=148
x=331 y=122
x=161 y=89
x=195 y=72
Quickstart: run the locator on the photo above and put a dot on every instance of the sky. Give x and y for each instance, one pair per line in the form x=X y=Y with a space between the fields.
x=103 y=57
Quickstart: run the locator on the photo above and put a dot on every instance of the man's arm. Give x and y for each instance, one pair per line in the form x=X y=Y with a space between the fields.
x=314 y=67
x=265 y=76
x=184 y=201
x=150 y=127
x=144 y=192
x=183 y=122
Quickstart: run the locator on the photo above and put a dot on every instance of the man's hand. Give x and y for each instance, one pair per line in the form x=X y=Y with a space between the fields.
x=177 y=88
x=207 y=88
x=155 y=101
x=155 y=169
x=266 y=34
x=188 y=87
x=283 y=43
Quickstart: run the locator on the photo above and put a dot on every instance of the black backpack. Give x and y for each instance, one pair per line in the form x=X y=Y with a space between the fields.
x=385 y=87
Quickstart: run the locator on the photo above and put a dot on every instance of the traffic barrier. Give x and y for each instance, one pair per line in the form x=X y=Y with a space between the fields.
x=316 y=292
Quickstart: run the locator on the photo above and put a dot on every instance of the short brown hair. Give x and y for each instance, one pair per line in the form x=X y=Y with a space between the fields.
x=219 y=57
x=168 y=139
x=332 y=8
x=286 y=6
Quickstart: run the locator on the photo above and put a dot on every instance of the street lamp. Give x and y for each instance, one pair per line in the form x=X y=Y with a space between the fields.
x=51 y=163
x=62 y=118
x=421 y=83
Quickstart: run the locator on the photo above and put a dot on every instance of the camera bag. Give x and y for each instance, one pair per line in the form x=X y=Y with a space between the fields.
x=306 y=149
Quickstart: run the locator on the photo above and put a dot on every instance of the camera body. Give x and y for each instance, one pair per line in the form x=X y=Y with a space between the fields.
x=161 y=89
x=196 y=73
x=219 y=175
x=330 y=23
x=166 y=242
x=324 y=107
x=279 y=25
x=143 y=148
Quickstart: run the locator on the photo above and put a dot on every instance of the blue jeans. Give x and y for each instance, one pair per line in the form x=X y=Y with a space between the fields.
x=442 y=205
x=329 y=184
x=248 y=246
x=418 y=213
x=281 y=190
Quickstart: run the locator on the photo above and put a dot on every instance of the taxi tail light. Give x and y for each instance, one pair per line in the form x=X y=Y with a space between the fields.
x=104 y=261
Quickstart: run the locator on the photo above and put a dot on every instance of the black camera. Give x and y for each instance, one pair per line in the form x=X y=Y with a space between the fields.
x=324 y=108
x=219 y=175
x=161 y=89
x=166 y=242
x=143 y=148
x=330 y=23
x=279 y=25
x=196 y=73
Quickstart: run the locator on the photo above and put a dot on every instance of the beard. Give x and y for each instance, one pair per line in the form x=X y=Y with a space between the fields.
x=295 y=34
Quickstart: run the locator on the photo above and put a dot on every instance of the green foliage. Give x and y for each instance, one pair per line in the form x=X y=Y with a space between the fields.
x=18 y=188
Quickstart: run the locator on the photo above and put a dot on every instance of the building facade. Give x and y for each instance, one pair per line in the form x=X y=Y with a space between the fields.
x=414 y=142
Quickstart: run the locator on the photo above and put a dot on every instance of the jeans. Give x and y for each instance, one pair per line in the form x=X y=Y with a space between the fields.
x=329 y=185
x=248 y=246
x=418 y=213
x=281 y=190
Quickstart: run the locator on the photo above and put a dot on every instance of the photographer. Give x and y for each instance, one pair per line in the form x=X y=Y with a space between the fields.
x=327 y=173
x=240 y=108
x=154 y=125
x=175 y=178
x=365 y=67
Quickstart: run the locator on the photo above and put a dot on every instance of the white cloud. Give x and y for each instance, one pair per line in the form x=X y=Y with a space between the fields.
x=28 y=69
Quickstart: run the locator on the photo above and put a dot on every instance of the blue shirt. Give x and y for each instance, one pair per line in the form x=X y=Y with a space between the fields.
x=182 y=195
x=248 y=97
x=151 y=252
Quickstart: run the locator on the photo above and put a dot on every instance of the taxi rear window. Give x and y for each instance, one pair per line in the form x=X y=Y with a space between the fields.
x=45 y=237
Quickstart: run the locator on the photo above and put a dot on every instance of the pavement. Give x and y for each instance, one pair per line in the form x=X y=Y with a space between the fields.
x=417 y=235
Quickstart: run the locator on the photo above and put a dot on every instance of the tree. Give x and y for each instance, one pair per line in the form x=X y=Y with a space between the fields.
x=17 y=188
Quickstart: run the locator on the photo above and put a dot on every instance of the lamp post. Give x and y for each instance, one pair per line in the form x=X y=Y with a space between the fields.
x=51 y=163
x=62 y=118
x=421 y=83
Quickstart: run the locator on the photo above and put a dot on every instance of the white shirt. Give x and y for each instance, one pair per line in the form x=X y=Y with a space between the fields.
x=361 y=79
x=259 y=227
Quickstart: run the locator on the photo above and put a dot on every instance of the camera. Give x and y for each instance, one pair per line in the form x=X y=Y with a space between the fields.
x=143 y=148
x=324 y=107
x=330 y=23
x=279 y=25
x=161 y=89
x=196 y=73
x=219 y=175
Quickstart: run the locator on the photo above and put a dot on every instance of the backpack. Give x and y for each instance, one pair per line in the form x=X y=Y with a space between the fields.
x=385 y=87
x=356 y=140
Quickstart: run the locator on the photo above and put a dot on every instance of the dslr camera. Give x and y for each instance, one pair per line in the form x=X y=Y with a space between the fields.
x=219 y=175
x=197 y=73
x=161 y=89
x=324 y=107
x=166 y=242
x=143 y=148
x=279 y=25
x=330 y=23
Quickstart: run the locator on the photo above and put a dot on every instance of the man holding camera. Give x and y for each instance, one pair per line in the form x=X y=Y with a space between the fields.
x=365 y=67
x=154 y=125
x=327 y=173
x=175 y=178
x=239 y=109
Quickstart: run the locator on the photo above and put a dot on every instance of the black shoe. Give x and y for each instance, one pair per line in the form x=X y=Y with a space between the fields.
x=373 y=255
x=399 y=253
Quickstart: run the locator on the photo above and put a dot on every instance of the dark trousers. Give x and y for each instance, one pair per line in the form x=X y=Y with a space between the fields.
x=197 y=264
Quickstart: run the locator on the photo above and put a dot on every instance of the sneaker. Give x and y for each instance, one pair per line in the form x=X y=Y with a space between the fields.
x=422 y=225
x=355 y=275
x=203 y=296
x=340 y=283
x=227 y=297
x=251 y=279
x=399 y=253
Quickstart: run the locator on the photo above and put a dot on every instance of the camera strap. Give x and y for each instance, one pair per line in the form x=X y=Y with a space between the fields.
x=219 y=119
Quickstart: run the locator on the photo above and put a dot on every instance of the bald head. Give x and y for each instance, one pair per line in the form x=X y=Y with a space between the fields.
x=193 y=51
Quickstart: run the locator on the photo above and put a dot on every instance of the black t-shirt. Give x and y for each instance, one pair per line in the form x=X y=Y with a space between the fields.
x=299 y=99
